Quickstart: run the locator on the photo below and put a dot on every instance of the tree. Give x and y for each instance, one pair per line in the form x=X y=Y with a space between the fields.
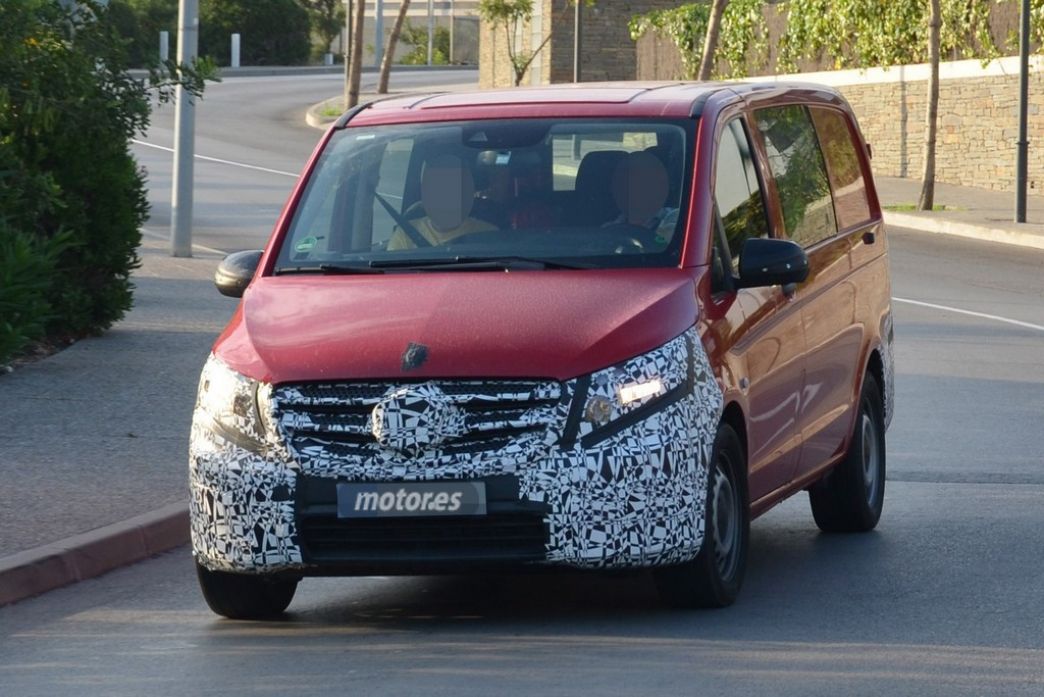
x=389 y=52
x=511 y=16
x=927 y=200
x=355 y=66
x=326 y=18
x=710 y=44
x=740 y=41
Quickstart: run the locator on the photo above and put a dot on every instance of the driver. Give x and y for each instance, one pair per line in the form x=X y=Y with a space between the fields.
x=447 y=194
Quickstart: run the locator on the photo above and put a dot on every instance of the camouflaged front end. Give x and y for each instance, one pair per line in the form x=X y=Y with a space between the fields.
x=624 y=494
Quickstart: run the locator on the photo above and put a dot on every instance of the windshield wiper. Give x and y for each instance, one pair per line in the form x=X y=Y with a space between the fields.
x=330 y=269
x=478 y=263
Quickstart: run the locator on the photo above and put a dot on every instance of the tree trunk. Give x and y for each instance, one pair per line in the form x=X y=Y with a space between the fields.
x=710 y=43
x=389 y=52
x=927 y=200
x=355 y=71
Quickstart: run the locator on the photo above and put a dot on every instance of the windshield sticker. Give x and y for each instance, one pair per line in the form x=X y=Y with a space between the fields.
x=307 y=244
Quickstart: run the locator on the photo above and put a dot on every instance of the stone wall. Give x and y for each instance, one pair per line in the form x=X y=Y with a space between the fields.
x=978 y=119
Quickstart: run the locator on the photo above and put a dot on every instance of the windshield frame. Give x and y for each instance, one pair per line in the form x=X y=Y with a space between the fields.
x=669 y=256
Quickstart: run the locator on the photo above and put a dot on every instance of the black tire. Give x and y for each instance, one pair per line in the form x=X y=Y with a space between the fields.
x=244 y=596
x=851 y=496
x=713 y=579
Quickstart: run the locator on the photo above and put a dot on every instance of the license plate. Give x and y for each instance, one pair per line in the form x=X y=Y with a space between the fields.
x=393 y=500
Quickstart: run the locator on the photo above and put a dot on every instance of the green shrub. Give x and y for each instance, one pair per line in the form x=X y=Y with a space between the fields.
x=417 y=37
x=27 y=266
x=274 y=32
x=140 y=22
x=70 y=185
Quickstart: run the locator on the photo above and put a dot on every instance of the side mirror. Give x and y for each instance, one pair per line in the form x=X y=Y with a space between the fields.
x=235 y=272
x=769 y=262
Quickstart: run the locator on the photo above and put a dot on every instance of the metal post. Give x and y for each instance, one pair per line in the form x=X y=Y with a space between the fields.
x=164 y=46
x=378 y=33
x=431 y=30
x=453 y=18
x=235 y=50
x=578 y=16
x=184 y=136
x=1022 y=164
x=347 y=48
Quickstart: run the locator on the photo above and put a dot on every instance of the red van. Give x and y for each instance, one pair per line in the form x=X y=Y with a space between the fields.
x=595 y=326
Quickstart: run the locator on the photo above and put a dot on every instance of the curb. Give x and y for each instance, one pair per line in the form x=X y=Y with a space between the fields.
x=91 y=554
x=925 y=223
x=294 y=70
x=315 y=119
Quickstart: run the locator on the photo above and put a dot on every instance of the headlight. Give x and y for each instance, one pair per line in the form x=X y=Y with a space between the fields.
x=231 y=401
x=619 y=396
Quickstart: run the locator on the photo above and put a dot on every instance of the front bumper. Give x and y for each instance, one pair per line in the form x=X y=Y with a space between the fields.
x=631 y=496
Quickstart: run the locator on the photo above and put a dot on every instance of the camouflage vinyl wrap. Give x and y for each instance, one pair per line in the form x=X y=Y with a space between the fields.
x=627 y=491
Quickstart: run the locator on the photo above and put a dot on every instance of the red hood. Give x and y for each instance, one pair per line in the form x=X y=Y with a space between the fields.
x=533 y=324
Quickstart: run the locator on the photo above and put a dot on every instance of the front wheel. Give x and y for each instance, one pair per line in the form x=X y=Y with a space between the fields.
x=850 y=498
x=714 y=577
x=244 y=596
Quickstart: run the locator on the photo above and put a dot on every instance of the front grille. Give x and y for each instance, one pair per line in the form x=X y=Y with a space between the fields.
x=490 y=538
x=335 y=419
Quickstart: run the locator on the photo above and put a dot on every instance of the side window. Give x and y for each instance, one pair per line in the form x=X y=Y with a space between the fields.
x=843 y=166
x=737 y=191
x=800 y=173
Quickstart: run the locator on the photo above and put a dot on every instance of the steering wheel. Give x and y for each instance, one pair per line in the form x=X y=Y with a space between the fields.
x=634 y=239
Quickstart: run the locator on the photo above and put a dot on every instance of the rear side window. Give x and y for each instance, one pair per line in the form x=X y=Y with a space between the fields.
x=800 y=173
x=843 y=167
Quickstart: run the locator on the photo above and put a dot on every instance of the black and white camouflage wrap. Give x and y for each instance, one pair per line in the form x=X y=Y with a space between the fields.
x=629 y=498
x=888 y=368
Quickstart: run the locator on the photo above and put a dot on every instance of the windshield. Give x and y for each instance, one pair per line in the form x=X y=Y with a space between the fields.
x=548 y=194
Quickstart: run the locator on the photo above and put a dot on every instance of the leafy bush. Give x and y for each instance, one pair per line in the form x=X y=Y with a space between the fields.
x=71 y=192
x=141 y=21
x=27 y=266
x=417 y=37
x=275 y=32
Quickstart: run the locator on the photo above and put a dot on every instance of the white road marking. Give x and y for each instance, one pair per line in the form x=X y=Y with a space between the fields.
x=219 y=160
x=983 y=315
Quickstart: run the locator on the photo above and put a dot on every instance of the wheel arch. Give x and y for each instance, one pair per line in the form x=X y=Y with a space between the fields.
x=734 y=417
x=875 y=367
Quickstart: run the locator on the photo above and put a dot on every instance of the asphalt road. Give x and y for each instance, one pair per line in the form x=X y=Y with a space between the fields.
x=945 y=598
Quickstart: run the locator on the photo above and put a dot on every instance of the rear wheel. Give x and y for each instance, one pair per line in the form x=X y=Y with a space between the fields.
x=714 y=577
x=244 y=596
x=851 y=496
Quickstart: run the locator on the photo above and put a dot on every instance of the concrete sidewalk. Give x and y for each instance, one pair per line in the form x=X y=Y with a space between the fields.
x=94 y=439
x=973 y=213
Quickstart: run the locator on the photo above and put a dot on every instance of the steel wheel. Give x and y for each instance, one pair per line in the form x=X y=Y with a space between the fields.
x=714 y=577
x=725 y=516
x=850 y=498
